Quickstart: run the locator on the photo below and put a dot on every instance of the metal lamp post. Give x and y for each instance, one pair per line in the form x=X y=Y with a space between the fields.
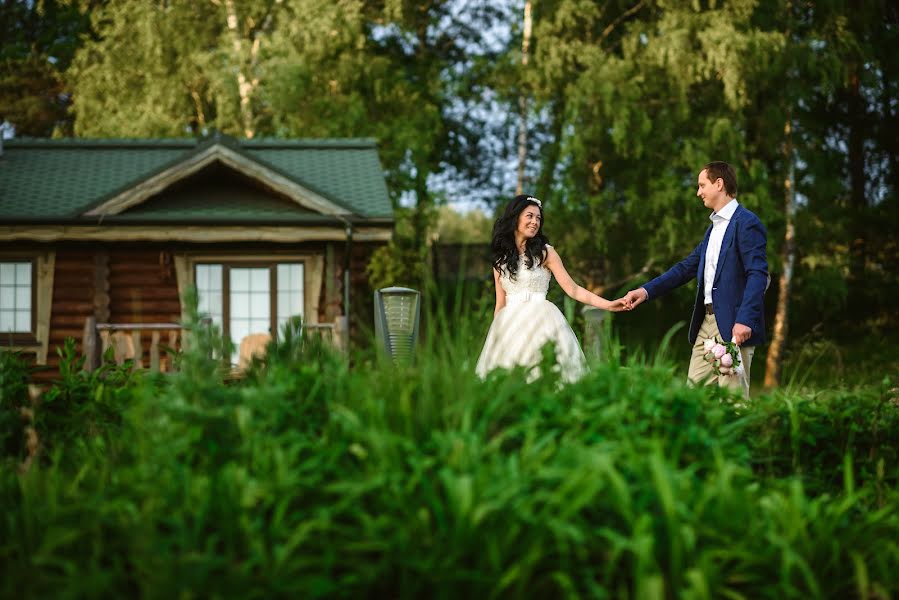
x=397 y=311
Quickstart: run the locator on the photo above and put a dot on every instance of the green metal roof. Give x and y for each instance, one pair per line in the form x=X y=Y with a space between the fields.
x=47 y=180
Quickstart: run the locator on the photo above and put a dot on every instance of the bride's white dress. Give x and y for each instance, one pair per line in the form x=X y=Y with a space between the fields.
x=527 y=323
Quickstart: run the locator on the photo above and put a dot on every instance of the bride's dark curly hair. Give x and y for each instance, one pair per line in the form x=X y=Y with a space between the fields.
x=505 y=253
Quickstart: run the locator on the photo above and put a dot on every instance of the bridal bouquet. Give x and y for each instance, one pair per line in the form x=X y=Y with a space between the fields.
x=723 y=356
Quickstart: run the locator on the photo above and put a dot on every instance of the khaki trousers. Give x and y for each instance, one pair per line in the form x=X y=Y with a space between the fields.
x=702 y=371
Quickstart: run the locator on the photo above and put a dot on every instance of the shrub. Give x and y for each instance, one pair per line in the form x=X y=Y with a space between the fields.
x=310 y=478
x=79 y=405
x=14 y=404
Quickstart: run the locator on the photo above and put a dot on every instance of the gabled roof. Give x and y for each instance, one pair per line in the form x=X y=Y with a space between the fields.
x=80 y=180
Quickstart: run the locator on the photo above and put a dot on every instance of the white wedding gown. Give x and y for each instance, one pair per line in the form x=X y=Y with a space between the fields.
x=527 y=323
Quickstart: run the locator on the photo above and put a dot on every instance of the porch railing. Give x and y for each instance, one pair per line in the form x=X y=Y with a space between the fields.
x=254 y=344
x=126 y=339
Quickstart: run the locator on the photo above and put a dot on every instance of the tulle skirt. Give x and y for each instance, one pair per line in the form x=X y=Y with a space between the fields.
x=521 y=329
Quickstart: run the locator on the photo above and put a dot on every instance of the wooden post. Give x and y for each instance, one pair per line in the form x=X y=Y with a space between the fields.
x=101 y=287
x=105 y=343
x=340 y=333
x=138 y=349
x=332 y=299
x=154 y=352
x=90 y=345
x=173 y=344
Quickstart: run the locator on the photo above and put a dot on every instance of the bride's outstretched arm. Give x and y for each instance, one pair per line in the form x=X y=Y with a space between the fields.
x=554 y=264
x=500 y=293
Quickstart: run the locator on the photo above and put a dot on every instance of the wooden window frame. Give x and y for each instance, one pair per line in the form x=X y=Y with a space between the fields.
x=21 y=338
x=270 y=264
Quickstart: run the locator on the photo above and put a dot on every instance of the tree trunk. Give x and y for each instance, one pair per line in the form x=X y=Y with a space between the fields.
x=200 y=125
x=856 y=120
x=523 y=101
x=856 y=143
x=552 y=150
x=245 y=85
x=788 y=258
x=421 y=230
x=890 y=130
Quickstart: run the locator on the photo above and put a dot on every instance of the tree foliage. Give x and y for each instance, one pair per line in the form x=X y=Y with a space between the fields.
x=626 y=100
x=39 y=40
x=634 y=97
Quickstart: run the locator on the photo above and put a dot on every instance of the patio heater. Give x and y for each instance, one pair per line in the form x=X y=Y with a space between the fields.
x=397 y=311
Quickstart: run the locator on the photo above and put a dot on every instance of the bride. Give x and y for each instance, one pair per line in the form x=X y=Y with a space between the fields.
x=524 y=320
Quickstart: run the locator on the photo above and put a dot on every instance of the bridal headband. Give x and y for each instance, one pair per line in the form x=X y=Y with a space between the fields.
x=535 y=201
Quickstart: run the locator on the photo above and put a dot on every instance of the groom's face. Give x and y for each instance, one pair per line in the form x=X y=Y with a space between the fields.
x=711 y=192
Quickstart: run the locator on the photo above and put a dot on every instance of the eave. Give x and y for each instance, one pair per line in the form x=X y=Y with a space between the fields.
x=362 y=232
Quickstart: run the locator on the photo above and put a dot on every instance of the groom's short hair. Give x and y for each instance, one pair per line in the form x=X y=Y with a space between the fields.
x=720 y=169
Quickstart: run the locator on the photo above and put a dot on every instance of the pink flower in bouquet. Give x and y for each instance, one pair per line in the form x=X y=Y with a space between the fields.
x=723 y=356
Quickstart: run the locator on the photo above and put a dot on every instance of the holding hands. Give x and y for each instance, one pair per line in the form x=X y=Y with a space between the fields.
x=634 y=298
x=618 y=305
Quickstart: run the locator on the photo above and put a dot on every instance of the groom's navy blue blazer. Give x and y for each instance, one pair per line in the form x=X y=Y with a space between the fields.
x=740 y=279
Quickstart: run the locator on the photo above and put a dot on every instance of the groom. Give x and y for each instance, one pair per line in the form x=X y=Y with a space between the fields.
x=731 y=270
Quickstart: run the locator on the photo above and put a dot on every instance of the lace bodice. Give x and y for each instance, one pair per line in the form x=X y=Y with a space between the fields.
x=534 y=280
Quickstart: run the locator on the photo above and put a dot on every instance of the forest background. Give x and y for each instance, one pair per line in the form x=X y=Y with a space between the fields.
x=603 y=109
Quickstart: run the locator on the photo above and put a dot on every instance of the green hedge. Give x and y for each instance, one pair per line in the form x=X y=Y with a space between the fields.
x=311 y=478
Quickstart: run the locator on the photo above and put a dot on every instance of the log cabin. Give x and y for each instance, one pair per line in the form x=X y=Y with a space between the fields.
x=105 y=237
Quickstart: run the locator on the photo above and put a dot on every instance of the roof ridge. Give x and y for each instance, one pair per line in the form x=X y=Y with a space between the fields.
x=310 y=143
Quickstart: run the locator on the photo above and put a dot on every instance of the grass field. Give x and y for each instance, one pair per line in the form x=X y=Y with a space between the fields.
x=319 y=476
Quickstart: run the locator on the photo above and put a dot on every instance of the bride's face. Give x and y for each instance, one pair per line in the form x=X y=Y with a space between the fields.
x=529 y=221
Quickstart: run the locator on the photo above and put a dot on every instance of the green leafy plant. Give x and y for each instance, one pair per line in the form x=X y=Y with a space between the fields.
x=14 y=376
x=81 y=404
x=324 y=475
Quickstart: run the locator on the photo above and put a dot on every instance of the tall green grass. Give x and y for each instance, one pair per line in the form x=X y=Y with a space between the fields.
x=320 y=475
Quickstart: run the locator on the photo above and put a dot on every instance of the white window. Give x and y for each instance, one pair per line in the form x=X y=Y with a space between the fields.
x=16 y=300
x=209 y=292
x=247 y=299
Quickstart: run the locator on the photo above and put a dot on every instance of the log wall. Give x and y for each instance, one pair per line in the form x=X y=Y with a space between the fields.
x=136 y=283
x=73 y=301
x=142 y=287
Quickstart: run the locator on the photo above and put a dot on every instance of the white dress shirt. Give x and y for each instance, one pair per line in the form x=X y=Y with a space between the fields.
x=720 y=220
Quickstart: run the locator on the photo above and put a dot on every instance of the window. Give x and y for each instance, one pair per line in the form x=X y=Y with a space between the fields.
x=247 y=299
x=17 y=301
